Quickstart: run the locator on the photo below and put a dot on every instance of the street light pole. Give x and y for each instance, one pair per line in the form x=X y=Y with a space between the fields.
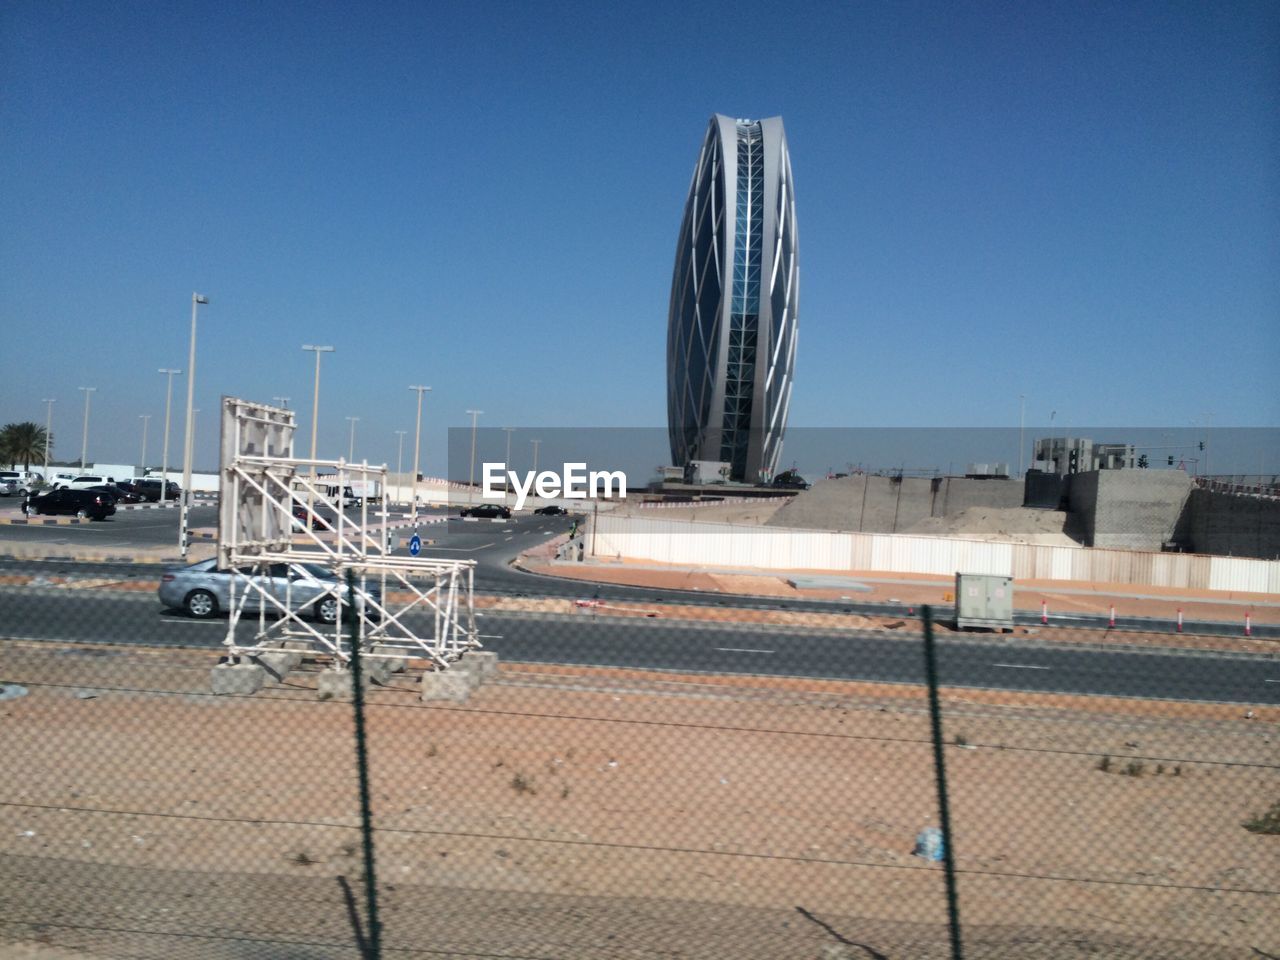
x=184 y=497
x=417 y=443
x=399 y=460
x=164 y=464
x=509 y=431
x=146 y=422
x=48 y=427
x=84 y=446
x=535 y=456
x=471 y=479
x=351 y=447
x=1022 y=422
x=315 y=419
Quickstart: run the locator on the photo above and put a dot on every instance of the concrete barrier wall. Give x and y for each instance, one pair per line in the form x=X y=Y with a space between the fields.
x=870 y=504
x=1128 y=509
x=1241 y=526
x=670 y=540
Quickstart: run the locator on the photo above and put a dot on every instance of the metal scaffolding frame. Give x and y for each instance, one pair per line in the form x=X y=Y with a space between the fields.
x=400 y=607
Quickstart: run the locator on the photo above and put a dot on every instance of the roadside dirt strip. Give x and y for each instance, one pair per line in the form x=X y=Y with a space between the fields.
x=588 y=813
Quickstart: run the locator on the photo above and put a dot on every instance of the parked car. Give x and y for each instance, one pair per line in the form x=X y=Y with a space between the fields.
x=552 y=511
x=203 y=590
x=487 y=511
x=118 y=493
x=300 y=519
x=87 y=480
x=21 y=482
x=790 y=480
x=93 y=504
x=149 y=488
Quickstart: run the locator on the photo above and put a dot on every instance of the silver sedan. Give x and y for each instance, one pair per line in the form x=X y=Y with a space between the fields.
x=203 y=590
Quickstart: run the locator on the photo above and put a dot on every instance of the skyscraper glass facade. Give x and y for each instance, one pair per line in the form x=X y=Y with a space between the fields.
x=731 y=329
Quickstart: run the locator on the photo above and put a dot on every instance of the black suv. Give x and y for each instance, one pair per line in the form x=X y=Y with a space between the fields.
x=94 y=504
x=790 y=480
x=149 y=489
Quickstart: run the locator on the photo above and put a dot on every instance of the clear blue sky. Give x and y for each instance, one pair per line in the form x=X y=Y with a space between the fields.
x=1073 y=201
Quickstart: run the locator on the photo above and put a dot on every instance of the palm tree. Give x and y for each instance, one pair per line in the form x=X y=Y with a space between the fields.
x=23 y=443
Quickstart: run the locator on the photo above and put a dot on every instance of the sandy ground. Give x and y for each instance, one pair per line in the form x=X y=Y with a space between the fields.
x=1007 y=524
x=584 y=813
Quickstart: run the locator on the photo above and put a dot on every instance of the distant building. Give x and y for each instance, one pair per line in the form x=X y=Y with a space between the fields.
x=1066 y=455
x=731 y=327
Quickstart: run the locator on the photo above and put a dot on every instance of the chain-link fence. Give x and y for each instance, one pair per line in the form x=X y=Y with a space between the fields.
x=617 y=811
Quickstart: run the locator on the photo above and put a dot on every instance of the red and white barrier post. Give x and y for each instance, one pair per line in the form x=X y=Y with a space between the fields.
x=1179 y=619
x=1044 y=611
x=1248 y=624
x=1112 y=622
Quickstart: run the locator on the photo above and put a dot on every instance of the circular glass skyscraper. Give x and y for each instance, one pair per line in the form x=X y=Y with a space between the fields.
x=731 y=326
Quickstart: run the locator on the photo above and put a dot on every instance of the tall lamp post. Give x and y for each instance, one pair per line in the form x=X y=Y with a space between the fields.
x=48 y=427
x=1022 y=423
x=84 y=445
x=399 y=459
x=315 y=419
x=535 y=456
x=164 y=463
x=417 y=443
x=146 y=422
x=184 y=497
x=351 y=447
x=471 y=478
x=509 y=431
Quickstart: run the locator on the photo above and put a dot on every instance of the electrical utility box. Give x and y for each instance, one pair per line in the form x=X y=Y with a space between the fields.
x=984 y=600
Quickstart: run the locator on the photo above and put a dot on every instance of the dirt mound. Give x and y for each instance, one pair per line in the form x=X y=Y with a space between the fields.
x=1012 y=524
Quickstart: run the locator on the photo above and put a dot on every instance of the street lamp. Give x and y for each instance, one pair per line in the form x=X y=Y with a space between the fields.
x=84 y=446
x=164 y=464
x=399 y=460
x=184 y=498
x=146 y=422
x=315 y=419
x=351 y=448
x=283 y=401
x=48 y=427
x=535 y=456
x=471 y=479
x=417 y=443
x=1022 y=420
x=509 y=431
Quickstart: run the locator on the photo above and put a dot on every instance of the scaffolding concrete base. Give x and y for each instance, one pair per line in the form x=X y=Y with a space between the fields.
x=485 y=661
x=278 y=663
x=453 y=685
x=237 y=679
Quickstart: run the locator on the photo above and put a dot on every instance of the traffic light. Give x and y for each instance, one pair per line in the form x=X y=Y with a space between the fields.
x=1201 y=444
x=1171 y=459
x=1073 y=461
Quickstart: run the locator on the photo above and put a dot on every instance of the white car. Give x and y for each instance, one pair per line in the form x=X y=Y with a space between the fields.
x=85 y=481
x=20 y=482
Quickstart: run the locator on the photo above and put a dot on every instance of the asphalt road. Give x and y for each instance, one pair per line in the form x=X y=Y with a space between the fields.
x=50 y=613
x=493 y=545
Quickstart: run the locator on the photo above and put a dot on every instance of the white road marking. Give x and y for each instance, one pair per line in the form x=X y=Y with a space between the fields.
x=1270 y=681
x=1020 y=666
x=512 y=537
x=741 y=650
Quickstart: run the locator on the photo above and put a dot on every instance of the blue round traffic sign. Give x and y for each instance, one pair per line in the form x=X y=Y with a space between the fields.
x=415 y=545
